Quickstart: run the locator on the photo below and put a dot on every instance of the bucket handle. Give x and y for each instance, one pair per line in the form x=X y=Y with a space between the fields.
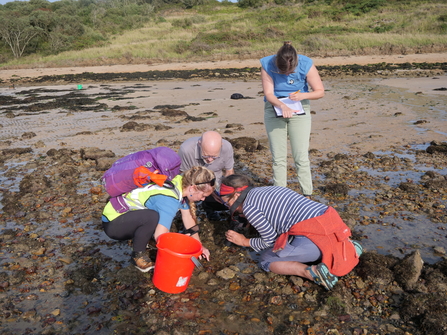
x=197 y=263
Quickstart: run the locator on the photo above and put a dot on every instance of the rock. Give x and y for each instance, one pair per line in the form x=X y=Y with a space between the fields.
x=160 y=127
x=439 y=250
x=28 y=135
x=226 y=273
x=193 y=131
x=409 y=187
x=234 y=125
x=56 y=312
x=34 y=183
x=135 y=126
x=95 y=153
x=408 y=271
x=104 y=163
x=337 y=188
x=96 y=190
x=174 y=113
x=440 y=147
x=39 y=251
x=16 y=151
x=237 y=96
x=248 y=143
x=39 y=144
x=376 y=267
x=213 y=282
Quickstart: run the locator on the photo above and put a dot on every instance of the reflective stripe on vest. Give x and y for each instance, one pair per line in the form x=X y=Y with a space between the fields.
x=138 y=197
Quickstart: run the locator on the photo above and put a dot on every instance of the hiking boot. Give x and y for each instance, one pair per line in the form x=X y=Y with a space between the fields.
x=142 y=261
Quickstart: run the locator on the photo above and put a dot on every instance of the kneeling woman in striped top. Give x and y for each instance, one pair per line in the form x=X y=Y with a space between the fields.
x=298 y=236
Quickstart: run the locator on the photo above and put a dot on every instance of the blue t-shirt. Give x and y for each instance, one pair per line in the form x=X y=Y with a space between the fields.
x=166 y=207
x=286 y=84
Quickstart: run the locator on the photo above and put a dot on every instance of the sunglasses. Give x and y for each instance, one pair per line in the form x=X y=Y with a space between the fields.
x=212 y=182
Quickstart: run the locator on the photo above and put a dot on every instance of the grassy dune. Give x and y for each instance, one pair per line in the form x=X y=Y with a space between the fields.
x=225 y=31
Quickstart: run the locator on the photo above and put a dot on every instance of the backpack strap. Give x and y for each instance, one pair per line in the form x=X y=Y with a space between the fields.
x=240 y=200
x=121 y=206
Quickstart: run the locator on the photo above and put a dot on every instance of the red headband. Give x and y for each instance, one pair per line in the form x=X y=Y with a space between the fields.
x=226 y=190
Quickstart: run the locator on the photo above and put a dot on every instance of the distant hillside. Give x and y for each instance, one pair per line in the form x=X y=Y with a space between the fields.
x=92 y=32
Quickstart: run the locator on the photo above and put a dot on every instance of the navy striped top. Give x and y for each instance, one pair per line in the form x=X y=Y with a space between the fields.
x=273 y=210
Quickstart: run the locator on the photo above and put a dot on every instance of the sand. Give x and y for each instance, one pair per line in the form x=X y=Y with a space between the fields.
x=356 y=115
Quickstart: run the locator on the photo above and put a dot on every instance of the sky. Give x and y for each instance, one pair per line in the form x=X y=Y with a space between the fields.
x=2 y=2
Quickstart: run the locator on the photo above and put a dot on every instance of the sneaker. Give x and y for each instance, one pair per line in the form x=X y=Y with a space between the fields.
x=358 y=248
x=142 y=261
x=321 y=275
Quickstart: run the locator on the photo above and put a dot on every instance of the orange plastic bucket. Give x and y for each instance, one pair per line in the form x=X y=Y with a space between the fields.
x=174 y=266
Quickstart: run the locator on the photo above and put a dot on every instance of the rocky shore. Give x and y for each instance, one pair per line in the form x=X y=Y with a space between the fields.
x=60 y=274
x=383 y=70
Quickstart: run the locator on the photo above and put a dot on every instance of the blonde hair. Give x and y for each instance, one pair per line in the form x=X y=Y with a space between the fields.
x=197 y=175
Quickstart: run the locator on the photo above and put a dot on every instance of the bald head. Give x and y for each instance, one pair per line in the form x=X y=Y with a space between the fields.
x=211 y=143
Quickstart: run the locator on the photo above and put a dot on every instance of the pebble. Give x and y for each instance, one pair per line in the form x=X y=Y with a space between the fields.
x=226 y=273
x=439 y=250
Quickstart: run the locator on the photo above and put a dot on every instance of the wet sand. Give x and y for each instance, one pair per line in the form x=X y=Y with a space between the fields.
x=357 y=115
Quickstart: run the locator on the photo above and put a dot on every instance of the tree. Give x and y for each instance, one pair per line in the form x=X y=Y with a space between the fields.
x=17 y=32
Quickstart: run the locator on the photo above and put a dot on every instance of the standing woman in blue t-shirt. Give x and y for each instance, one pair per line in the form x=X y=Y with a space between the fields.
x=288 y=74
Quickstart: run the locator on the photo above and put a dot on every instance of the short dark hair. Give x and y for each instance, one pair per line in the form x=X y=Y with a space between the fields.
x=236 y=181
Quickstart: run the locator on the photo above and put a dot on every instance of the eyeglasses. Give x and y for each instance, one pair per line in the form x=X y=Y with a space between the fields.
x=212 y=182
x=210 y=157
x=225 y=203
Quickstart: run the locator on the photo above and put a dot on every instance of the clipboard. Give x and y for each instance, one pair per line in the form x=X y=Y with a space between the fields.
x=292 y=104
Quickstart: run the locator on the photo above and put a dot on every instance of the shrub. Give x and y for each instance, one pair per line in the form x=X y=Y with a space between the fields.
x=181 y=47
x=383 y=28
x=198 y=46
x=88 y=39
x=362 y=7
x=251 y=3
x=278 y=14
x=182 y=23
x=316 y=43
x=187 y=22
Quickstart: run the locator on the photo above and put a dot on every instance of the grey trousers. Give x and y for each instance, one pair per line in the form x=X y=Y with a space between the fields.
x=297 y=129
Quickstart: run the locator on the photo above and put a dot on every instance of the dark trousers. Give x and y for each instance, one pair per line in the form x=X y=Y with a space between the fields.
x=138 y=225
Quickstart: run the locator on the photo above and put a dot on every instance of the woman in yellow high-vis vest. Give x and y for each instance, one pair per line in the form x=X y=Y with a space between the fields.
x=152 y=209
